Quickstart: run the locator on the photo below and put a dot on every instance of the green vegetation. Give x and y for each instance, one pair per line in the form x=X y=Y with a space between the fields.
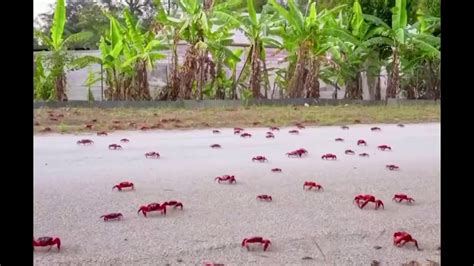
x=337 y=44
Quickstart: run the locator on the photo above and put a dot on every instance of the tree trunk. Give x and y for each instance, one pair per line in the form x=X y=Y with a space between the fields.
x=173 y=88
x=371 y=84
x=311 y=84
x=201 y=74
x=394 y=81
x=378 y=95
x=60 y=88
x=354 y=88
x=187 y=73
x=267 y=79
x=234 y=87
x=141 y=80
x=255 y=76
x=296 y=84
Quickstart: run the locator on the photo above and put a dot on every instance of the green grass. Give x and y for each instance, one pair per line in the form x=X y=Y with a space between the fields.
x=75 y=119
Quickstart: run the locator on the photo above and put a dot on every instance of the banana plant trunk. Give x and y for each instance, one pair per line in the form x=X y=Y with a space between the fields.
x=378 y=95
x=236 y=83
x=311 y=85
x=141 y=79
x=255 y=76
x=60 y=87
x=354 y=88
x=394 y=81
x=296 y=84
x=174 y=73
x=371 y=84
x=201 y=73
x=267 y=79
x=188 y=71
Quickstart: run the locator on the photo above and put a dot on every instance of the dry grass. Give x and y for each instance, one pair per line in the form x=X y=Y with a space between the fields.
x=69 y=120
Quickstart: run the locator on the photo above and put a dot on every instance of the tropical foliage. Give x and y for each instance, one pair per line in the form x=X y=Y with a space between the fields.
x=338 y=44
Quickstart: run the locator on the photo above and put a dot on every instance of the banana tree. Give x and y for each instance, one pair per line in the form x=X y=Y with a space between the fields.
x=195 y=26
x=399 y=38
x=219 y=40
x=257 y=30
x=421 y=64
x=141 y=50
x=169 y=27
x=307 y=38
x=118 y=76
x=59 y=59
x=192 y=26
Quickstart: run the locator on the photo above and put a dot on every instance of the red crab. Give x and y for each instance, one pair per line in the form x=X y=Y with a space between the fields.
x=237 y=132
x=401 y=197
x=238 y=129
x=125 y=140
x=228 y=178
x=152 y=154
x=145 y=128
x=246 y=135
x=270 y=135
x=276 y=170
x=88 y=126
x=367 y=199
x=329 y=156
x=311 y=185
x=215 y=131
x=350 y=152
x=174 y=204
x=392 y=167
x=85 y=142
x=401 y=238
x=376 y=129
x=47 y=241
x=274 y=128
x=115 y=147
x=256 y=239
x=345 y=127
x=384 y=147
x=364 y=154
x=299 y=126
x=361 y=142
x=102 y=133
x=264 y=197
x=152 y=207
x=303 y=151
x=112 y=216
x=215 y=146
x=339 y=139
x=260 y=159
x=294 y=131
x=400 y=125
x=360 y=197
x=124 y=184
x=299 y=153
